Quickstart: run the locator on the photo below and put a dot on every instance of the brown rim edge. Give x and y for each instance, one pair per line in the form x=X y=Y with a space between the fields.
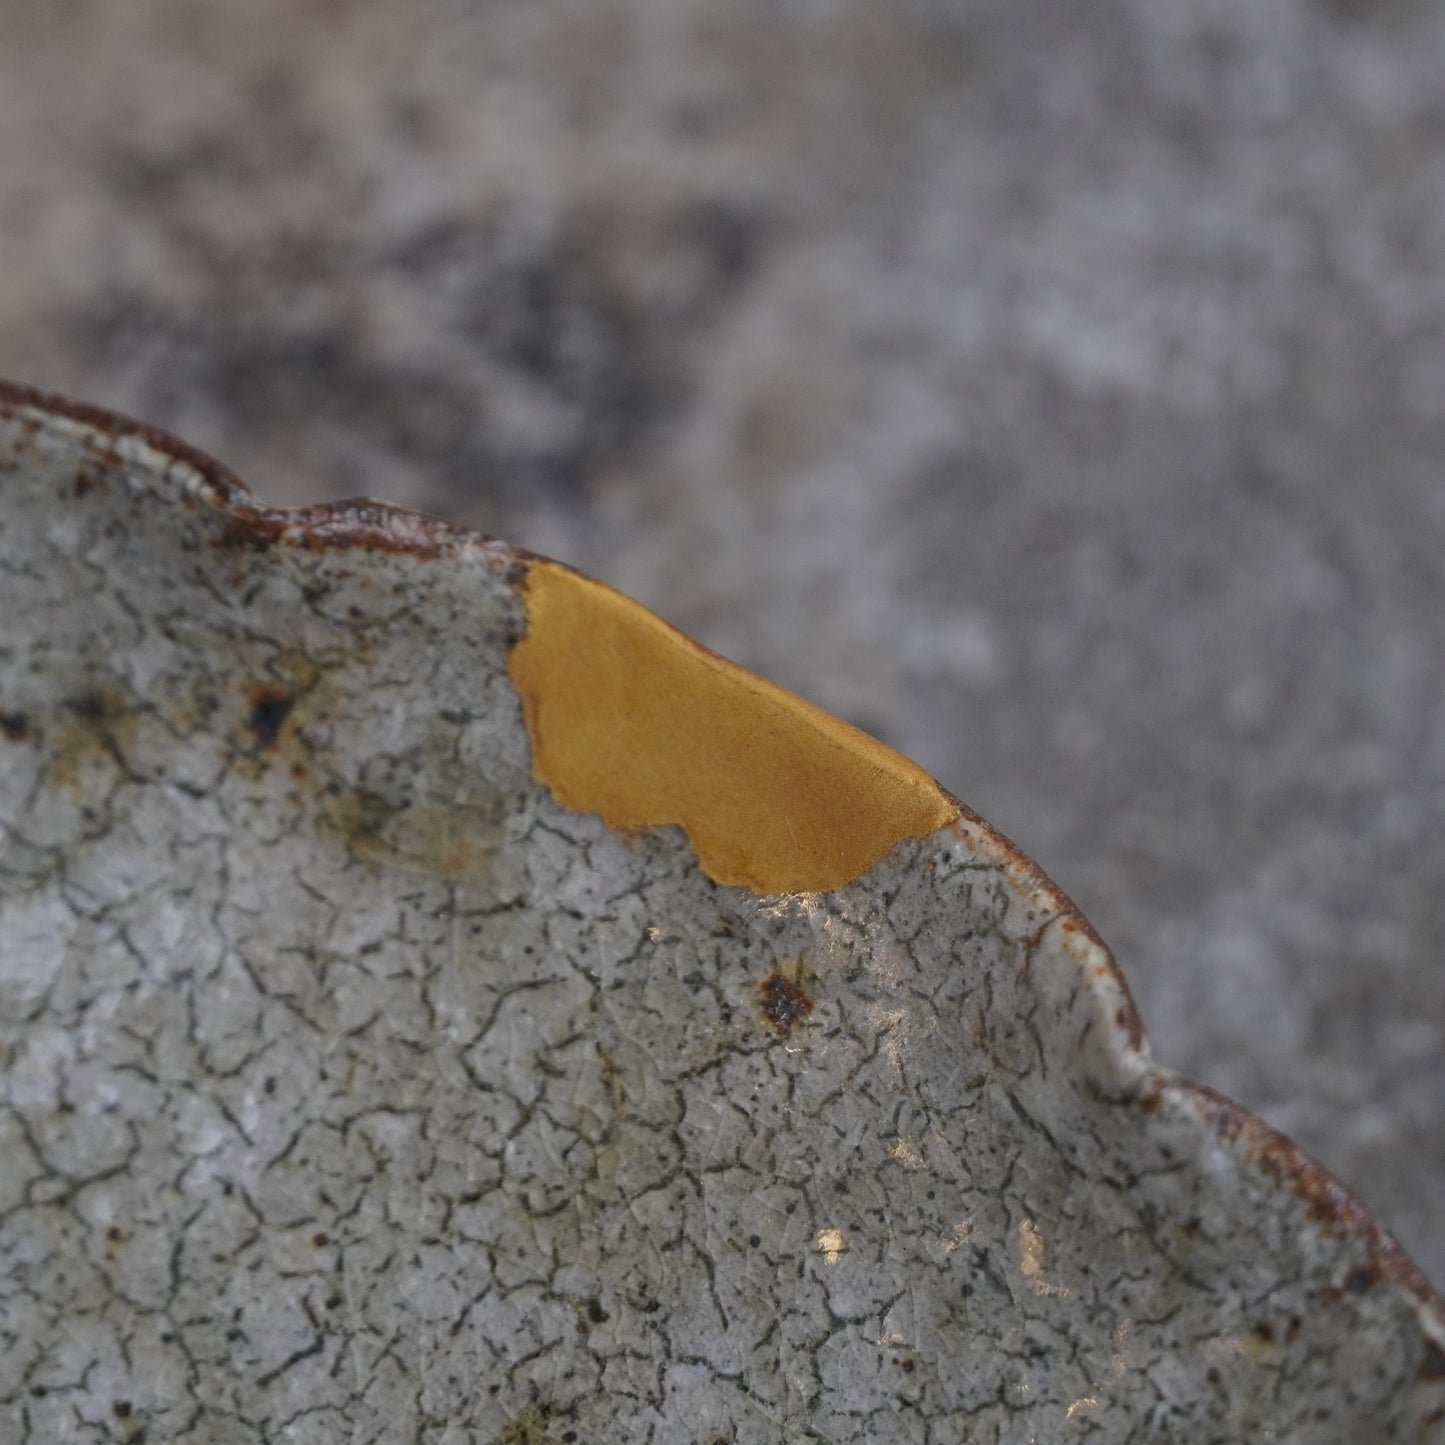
x=355 y=522
x=382 y=526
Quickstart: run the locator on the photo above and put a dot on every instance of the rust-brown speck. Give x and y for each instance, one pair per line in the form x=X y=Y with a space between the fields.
x=91 y=481
x=270 y=707
x=1362 y=1278
x=784 y=1003
x=1127 y=1018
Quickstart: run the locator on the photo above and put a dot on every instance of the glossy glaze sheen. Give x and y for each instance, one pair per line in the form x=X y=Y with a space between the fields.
x=634 y=721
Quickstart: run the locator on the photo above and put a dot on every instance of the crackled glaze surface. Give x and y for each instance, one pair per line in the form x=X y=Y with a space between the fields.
x=353 y=1089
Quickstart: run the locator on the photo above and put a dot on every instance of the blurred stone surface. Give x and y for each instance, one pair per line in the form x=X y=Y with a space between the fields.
x=1099 y=350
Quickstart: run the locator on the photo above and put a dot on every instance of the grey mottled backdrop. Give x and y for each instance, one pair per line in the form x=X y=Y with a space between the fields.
x=1057 y=391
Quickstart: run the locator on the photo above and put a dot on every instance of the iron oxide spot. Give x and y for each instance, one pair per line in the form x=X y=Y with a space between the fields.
x=270 y=707
x=784 y=1003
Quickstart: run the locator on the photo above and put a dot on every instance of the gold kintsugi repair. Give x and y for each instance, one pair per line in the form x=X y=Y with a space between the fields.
x=634 y=721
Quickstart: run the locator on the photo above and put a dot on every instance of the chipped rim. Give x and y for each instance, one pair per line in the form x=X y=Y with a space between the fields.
x=387 y=527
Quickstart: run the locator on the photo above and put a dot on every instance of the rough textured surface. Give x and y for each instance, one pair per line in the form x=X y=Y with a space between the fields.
x=1051 y=390
x=353 y=1090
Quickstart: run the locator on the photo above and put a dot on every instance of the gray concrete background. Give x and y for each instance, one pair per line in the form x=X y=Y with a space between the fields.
x=1057 y=391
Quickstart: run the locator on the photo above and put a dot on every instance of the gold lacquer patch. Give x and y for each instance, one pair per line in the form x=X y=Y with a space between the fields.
x=634 y=721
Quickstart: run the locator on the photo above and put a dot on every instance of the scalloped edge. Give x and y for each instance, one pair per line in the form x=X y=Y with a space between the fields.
x=1278 y=1162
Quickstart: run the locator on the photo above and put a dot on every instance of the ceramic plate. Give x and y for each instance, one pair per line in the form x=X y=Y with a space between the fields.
x=441 y=1003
